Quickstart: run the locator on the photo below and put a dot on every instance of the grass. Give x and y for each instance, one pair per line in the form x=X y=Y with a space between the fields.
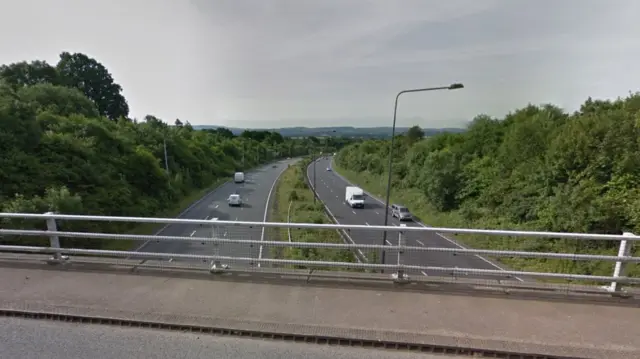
x=292 y=188
x=418 y=204
x=150 y=229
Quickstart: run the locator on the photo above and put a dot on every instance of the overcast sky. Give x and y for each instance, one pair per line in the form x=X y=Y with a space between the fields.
x=273 y=63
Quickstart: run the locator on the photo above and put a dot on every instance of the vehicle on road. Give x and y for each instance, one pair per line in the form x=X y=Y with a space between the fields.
x=401 y=212
x=329 y=169
x=354 y=197
x=274 y=166
x=235 y=200
x=238 y=177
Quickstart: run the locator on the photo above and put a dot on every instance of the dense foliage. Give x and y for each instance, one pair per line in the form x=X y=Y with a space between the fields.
x=538 y=168
x=67 y=145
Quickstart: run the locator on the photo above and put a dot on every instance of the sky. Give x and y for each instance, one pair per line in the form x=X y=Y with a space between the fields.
x=278 y=63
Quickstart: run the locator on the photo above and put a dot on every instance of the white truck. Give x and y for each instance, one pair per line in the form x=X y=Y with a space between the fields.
x=238 y=177
x=354 y=197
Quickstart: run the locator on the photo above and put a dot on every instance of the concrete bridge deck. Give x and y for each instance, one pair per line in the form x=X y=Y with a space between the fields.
x=382 y=312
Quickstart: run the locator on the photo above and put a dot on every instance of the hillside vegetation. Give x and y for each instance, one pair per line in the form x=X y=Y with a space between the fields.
x=67 y=145
x=538 y=168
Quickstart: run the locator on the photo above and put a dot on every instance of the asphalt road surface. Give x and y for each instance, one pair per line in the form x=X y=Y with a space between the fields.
x=331 y=190
x=255 y=192
x=35 y=339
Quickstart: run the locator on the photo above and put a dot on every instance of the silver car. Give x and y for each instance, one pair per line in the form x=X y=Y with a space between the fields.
x=235 y=200
x=401 y=212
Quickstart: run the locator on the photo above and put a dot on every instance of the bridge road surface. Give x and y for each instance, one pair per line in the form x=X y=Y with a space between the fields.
x=331 y=190
x=31 y=339
x=255 y=192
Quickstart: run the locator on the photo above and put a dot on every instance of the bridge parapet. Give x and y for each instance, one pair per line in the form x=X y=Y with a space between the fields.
x=227 y=244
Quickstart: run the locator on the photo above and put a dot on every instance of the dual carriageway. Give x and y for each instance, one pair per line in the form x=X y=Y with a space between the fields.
x=430 y=317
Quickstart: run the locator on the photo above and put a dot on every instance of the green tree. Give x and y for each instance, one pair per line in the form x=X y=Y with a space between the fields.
x=95 y=81
x=414 y=134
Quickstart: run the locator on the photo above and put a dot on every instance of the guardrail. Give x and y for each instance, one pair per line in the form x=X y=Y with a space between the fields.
x=214 y=229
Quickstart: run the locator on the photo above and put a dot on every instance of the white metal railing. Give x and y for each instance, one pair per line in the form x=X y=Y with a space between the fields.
x=618 y=277
x=289 y=221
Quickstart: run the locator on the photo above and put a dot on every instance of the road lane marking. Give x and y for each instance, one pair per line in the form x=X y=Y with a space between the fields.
x=422 y=244
x=236 y=218
x=438 y=234
x=367 y=223
x=388 y=243
x=185 y=211
x=377 y=213
x=354 y=212
x=217 y=205
x=192 y=233
x=425 y=274
x=170 y=260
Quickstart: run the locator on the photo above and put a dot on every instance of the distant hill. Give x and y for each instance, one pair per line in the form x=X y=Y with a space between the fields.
x=360 y=132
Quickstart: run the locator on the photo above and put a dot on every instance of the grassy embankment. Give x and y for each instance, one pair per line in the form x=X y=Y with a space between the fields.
x=292 y=188
x=415 y=200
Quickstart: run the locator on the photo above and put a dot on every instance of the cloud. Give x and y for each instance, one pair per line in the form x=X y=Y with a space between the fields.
x=269 y=63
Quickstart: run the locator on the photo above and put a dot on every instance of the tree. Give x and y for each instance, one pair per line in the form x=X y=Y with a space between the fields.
x=415 y=134
x=94 y=80
x=29 y=73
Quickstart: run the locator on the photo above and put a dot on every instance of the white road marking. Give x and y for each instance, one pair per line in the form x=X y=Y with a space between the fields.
x=422 y=244
x=354 y=212
x=192 y=233
x=388 y=243
x=225 y=234
x=377 y=213
x=170 y=260
x=217 y=205
x=425 y=274
x=266 y=209
x=367 y=223
x=438 y=234
x=236 y=218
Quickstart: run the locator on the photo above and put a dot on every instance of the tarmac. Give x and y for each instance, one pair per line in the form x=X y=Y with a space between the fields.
x=567 y=328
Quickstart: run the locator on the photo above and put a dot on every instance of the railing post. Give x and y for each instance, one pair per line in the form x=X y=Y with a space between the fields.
x=400 y=275
x=216 y=266
x=619 y=269
x=54 y=241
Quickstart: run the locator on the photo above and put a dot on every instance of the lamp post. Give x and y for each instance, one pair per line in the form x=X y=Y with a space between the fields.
x=454 y=86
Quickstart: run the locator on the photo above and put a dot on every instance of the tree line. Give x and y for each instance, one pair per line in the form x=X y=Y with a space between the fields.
x=538 y=168
x=67 y=145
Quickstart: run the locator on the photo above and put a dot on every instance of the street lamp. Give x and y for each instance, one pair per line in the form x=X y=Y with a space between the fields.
x=454 y=86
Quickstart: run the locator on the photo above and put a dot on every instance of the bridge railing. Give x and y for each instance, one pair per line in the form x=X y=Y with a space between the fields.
x=224 y=243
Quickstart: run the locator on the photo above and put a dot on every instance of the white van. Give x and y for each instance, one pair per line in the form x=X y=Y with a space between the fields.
x=354 y=197
x=238 y=177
